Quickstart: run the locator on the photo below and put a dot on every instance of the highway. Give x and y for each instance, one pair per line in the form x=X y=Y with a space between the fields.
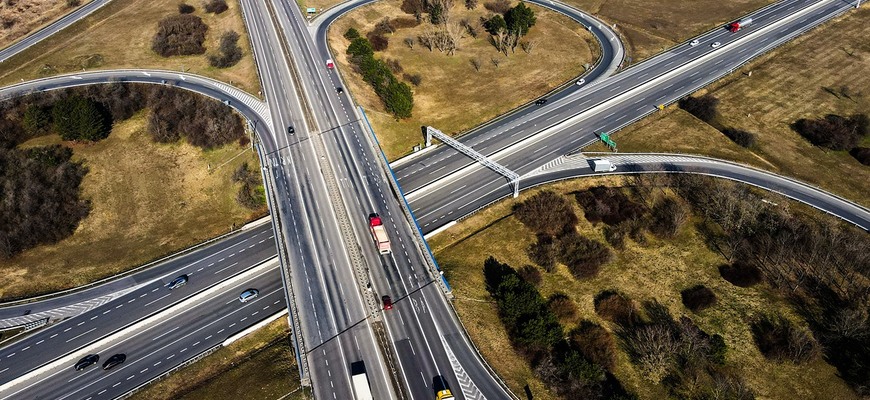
x=325 y=179
x=443 y=183
x=51 y=29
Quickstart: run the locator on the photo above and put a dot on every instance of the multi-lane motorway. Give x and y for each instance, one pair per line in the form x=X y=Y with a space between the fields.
x=325 y=179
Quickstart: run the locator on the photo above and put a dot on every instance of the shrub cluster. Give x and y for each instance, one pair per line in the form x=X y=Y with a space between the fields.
x=531 y=274
x=378 y=36
x=862 y=154
x=251 y=193
x=216 y=6
x=212 y=125
x=80 y=119
x=180 y=35
x=780 y=340
x=562 y=307
x=698 y=298
x=833 y=131
x=583 y=256
x=229 y=52
x=546 y=212
x=184 y=8
x=39 y=197
x=595 y=343
x=498 y=6
x=616 y=308
x=608 y=205
x=668 y=216
x=395 y=95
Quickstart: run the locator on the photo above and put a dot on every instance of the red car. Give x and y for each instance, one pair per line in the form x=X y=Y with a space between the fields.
x=330 y=64
x=388 y=302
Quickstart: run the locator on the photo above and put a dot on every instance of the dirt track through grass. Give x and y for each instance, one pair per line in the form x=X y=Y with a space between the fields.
x=148 y=200
x=119 y=35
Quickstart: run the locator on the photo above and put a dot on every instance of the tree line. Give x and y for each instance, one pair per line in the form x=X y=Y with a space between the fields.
x=184 y=34
x=395 y=95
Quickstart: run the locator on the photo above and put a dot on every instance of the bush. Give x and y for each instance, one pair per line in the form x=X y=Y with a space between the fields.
x=78 y=118
x=703 y=108
x=39 y=203
x=779 y=340
x=180 y=35
x=378 y=42
x=546 y=212
x=251 y=194
x=415 y=79
x=668 y=216
x=543 y=252
x=595 y=343
x=229 y=53
x=833 y=131
x=404 y=23
x=562 y=306
x=351 y=34
x=741 y=137
x=698 y=298
x=394 y=65
x=530 y=274
x=584 y=257
x=862 y=154
x=498 y=6
x=212 y=125
x=470 y=4
x=741 y=274
x=608 y=205
x=396 y=96
x=185 y=8
x=216 y=6
x=616 y=308
x=413 y=7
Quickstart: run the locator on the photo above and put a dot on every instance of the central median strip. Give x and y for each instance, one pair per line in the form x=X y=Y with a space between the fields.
x=132 y=330
x=590 y=112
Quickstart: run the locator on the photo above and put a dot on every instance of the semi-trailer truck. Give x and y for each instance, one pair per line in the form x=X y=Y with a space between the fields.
x=360 y=381
x=379 y=233
x=739 y=24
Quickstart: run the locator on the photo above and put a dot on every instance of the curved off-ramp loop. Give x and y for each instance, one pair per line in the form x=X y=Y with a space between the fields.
x=577 y=165
x=255 y=110
x=65 y=21
x=612 y=49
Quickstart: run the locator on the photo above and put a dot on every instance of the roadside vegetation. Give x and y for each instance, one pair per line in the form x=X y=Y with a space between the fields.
x=648 y=28
x=203 y=38
x=462 y=63
x=100 y=179
x=258 y=366
x=700 y=292
x=21 y=18
x=805 y=123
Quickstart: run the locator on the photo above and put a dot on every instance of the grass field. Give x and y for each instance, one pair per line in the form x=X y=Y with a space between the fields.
x=21 y=18
x=780 y=91
x=650 y=27
x=147 y=200
x=318 y=4
x=453 y=97
x=119 y=36
x=656 y=270
x=259 y=366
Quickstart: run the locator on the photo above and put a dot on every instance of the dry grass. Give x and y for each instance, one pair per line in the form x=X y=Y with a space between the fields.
x=259 y=366
x=148 y=200
x=656 y=270
x=780 y=91
x=650 y=27
x=119 y=36
x=453 y=97
x=320 y=5
x=20 y=18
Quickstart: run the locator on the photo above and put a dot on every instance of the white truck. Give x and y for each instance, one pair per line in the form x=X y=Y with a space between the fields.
x=602 y=165
x=379 y=234
x=360 y=381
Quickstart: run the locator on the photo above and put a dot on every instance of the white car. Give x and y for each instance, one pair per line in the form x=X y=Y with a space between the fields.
x=694 y=43
x=581 y=82
x=715 y=45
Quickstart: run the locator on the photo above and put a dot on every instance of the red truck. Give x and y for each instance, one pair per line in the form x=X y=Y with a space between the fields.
x=740 y=24
x=379 y=233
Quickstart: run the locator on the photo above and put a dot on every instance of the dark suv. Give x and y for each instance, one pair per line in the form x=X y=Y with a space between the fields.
x=87 y=361
x=114 y=360
x=541 y=102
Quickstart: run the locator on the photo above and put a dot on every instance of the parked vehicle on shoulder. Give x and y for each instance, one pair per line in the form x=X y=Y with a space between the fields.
x=177 y=282
x=113 y=361
x=249 y=295
x=87 y=361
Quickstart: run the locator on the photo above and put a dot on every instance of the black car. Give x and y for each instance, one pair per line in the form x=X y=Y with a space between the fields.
x=541 y=102
x=177 y=282
x=290 y=129
x=87 y=361
x=339 y=90
x=114 y=360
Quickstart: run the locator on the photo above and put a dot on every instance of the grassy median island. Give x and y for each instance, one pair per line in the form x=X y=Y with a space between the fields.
x=120 y=34
x=650 y=27
x=647 y=267
x=258 y=366
x=142 y=199
x=457 y=92
x=824 y=72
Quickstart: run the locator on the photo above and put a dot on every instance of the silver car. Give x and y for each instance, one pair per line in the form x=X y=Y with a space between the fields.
x=248 y=295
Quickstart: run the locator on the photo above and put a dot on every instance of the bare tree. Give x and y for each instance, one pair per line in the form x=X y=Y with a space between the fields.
x=453 y=31
x=475 y=62
x=501 y=40
x=529 y=45
x=495 y=61
x=427 y=39
x=410 y=42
